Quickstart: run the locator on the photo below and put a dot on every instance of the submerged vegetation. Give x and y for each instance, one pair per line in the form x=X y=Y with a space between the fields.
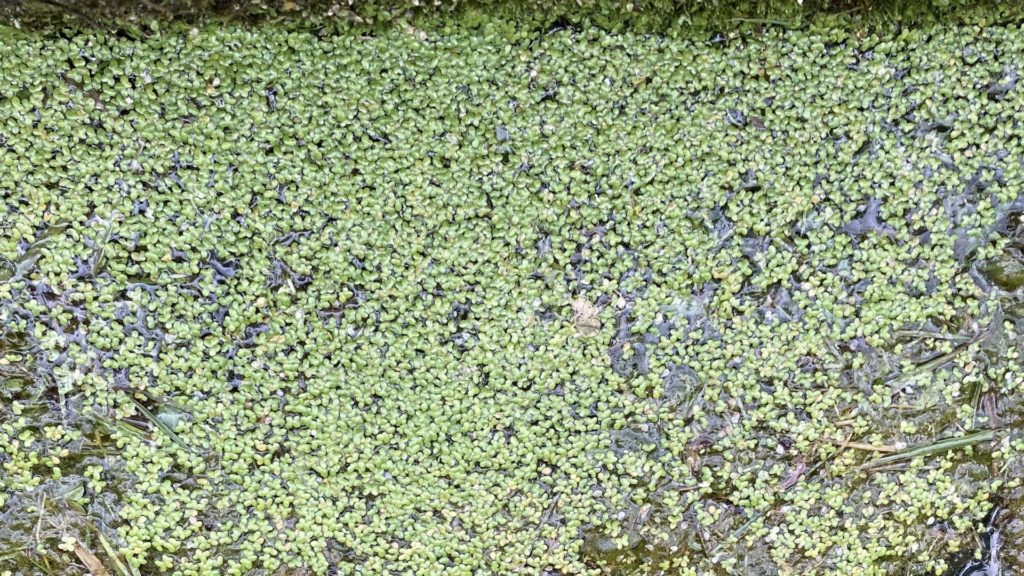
x=477 y=296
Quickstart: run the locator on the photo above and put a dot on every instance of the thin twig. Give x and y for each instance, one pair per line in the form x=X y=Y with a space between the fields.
x=932 y=335
x=39 y=524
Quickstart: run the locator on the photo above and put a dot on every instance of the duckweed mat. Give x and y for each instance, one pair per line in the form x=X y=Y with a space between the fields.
x=463 y=296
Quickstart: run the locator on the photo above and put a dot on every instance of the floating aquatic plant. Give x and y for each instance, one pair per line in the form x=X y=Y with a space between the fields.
x=505 y=299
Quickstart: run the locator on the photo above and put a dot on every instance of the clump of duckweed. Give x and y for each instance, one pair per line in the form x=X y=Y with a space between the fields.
x=496 y=299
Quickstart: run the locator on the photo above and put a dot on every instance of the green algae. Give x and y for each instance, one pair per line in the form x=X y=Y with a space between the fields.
x=1007 y=272
x=500 y=298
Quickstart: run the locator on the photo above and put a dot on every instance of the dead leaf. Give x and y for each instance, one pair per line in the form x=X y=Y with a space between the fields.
x=90 y=560
x=584 y=317
x=794 y=475
x=991 y=409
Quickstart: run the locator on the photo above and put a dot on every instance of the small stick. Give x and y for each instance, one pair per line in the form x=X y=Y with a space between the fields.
x=932 y=335
x=39 y=524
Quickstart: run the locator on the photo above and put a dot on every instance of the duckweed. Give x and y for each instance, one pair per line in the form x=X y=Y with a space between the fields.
x=468 y=296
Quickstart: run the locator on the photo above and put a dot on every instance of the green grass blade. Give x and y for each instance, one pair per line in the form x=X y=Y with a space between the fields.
x=112 y=554
x=163 y=427
x=934 y=448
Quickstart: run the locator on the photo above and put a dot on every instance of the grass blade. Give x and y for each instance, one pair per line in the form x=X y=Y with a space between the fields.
x=112 y=554
x=159 y=424
x=934 y=448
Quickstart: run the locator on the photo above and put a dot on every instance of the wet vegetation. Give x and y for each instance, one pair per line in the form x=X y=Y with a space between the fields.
x=461 y=294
